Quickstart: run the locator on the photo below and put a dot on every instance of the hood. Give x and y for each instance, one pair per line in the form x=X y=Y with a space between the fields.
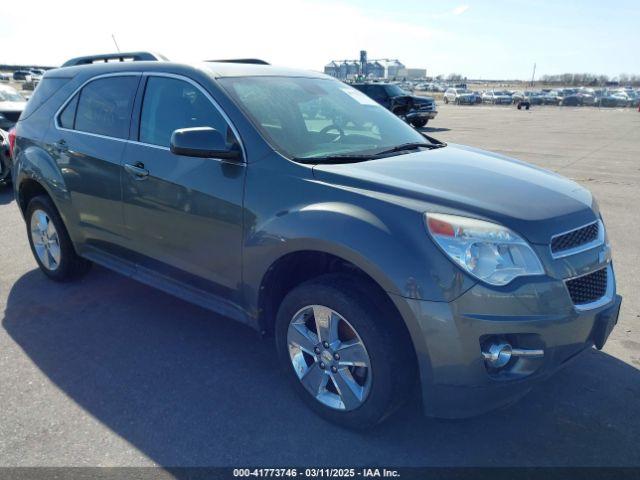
x=403 y=99
x=533 y=202
x=417 y=99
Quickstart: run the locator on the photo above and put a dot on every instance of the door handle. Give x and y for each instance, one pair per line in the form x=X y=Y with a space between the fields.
x=61 y=146
x=137 y=170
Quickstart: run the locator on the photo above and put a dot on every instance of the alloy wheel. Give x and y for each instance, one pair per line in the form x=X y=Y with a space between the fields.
x=46 y=241
x=329 y=357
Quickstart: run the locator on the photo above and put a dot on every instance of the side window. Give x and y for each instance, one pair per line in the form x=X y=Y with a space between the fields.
x=68 y=116
x=170 y=104
x=105 y=105
x=377 y=92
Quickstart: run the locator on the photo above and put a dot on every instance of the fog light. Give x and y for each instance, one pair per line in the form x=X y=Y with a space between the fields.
x=497 y=355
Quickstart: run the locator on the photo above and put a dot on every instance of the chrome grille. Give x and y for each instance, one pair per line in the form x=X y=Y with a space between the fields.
x=575 y=238
x=588 y=288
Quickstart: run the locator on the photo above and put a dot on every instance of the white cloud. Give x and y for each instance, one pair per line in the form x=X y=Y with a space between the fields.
x=460 y=9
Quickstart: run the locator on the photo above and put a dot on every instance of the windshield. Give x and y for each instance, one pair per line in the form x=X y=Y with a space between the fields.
x=10 y=95
x=305 y=118
x=395 y=91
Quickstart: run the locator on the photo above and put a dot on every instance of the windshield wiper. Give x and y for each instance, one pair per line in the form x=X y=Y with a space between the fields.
x=411 y=146
x=346 y=158
x=358 y=157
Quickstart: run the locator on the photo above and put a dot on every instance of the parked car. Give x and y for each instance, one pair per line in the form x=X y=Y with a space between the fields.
x=554 y=97
x=549 y=97
x=568 y=97
x=460 y=96
x=606 y=98
x=5 y=77
x=377 y=256
x=416 y=110
x=531 y=97
x=586 y=96
x=24 y=75
x=5 y=158
x=496 y=97
x=11 y=106
x=634 y=99
x=627 y=98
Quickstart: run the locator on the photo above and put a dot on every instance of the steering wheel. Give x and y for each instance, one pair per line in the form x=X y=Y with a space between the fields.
x=328 y=128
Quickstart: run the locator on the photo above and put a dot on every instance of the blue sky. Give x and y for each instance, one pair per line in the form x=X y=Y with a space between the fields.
x=479 y=39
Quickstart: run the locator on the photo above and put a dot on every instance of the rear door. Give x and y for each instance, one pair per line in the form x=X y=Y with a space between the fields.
x=90 y=134
x=183 y=215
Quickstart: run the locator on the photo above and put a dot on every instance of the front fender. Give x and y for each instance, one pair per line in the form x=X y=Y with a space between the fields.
x=329 y=227
x=391 y=246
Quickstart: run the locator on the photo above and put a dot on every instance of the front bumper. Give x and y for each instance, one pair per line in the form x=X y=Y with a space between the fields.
x=422 y=114
x=448 y=339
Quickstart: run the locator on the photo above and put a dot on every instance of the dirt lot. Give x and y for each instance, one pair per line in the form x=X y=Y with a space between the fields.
x=109 y=372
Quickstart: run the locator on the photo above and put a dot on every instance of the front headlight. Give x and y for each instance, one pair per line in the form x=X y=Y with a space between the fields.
x=488 y=251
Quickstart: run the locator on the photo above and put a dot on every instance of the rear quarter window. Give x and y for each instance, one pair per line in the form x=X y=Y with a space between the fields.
x=67 y=117
x=43 y=92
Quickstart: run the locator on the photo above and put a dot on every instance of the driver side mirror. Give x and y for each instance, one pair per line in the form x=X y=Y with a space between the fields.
x=203 y=142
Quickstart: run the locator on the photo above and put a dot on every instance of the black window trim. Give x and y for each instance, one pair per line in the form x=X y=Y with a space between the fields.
x=75 y=97
x=207 y=95
x=76 y=91
x=138 y=111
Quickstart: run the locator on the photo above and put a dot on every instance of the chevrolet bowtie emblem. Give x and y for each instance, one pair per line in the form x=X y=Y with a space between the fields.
x=605 y=254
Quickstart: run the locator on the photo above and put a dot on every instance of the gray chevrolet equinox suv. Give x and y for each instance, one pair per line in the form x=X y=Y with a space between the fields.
x=384 y=262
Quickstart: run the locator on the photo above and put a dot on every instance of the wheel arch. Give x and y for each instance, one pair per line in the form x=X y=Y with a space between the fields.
x=286 y=273
x=27 y=189
x=296 y=267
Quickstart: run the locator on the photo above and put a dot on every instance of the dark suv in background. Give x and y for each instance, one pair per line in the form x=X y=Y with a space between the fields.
x=413 y=109
x=284 y=199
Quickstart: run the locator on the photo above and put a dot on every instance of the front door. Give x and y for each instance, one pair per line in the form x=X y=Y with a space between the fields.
x=183 y=215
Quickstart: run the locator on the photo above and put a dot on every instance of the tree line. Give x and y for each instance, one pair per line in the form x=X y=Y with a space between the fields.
x=590 y=79
x=574 y=79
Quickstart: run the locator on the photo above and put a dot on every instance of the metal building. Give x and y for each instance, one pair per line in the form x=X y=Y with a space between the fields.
x=386 y=68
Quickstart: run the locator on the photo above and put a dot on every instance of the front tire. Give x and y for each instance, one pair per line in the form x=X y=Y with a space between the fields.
x=50 y=242
x=419 y=122
x=347 y=356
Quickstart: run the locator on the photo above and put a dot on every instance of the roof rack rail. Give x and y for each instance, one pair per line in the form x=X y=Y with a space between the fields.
x=254 y=61
x=120 y=56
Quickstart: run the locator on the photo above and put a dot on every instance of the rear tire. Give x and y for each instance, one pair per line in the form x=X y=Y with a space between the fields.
x=50 y=242
x=387 y=367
